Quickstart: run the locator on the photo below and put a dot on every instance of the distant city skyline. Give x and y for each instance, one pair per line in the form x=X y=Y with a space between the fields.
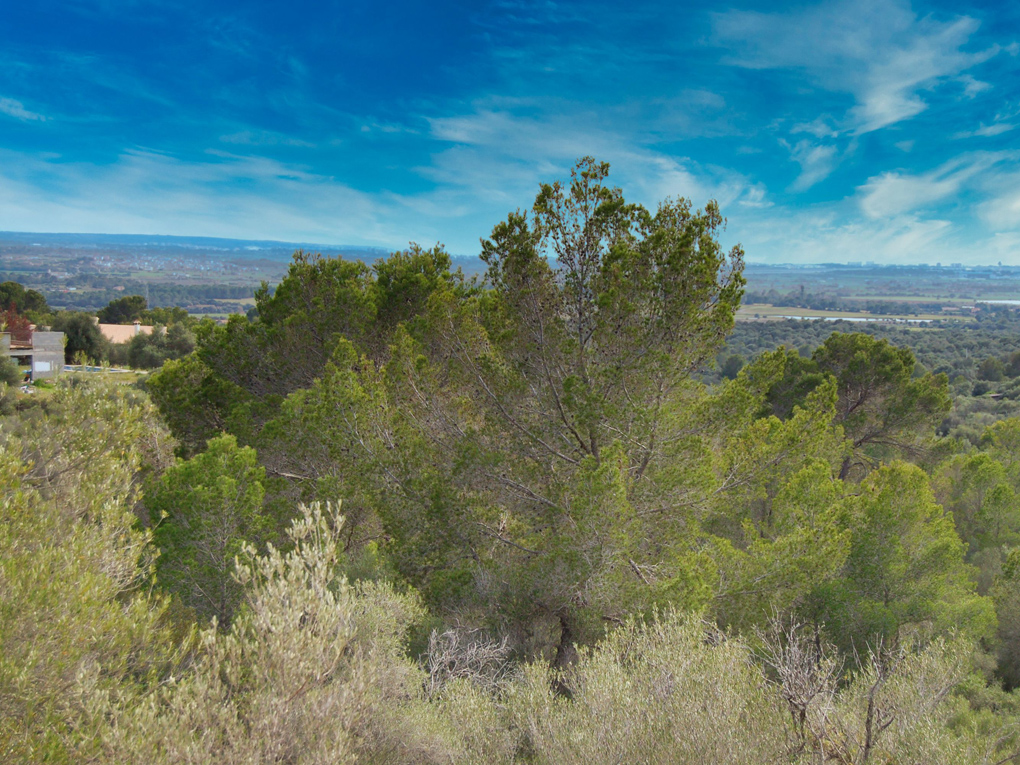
x=828 y=132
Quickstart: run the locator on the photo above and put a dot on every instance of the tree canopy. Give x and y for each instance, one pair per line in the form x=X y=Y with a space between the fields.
x=123 y=310
x=83 y=340
x=564 y=536
x=204 y=511
x=15 y=297
x=883 y=408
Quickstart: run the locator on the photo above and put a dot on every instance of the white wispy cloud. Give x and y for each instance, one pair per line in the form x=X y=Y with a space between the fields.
x=879 y=51
x=986 y=131
x=1004 y=121
x=972 y=87
x=964 y=210
x=264 y=138
x=1001 y=209
x=386 y=128
x=755 y=196
x=503 y=156
x=218 y=195
x=1003 y=212
x=820 y=127
x=894 y=193
x=831 y=234
x=817 y=161
x=16 y=109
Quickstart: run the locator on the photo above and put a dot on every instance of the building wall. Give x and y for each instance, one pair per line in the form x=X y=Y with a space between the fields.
x=46 y=356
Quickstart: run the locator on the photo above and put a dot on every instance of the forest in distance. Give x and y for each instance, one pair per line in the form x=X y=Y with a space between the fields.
x=568 y=512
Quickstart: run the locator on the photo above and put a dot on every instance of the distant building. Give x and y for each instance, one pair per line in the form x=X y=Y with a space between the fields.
x=42 y=352
x=122 y=333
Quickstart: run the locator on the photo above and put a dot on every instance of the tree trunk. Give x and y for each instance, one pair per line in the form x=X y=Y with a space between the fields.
x=566 y=655
x=566 y=652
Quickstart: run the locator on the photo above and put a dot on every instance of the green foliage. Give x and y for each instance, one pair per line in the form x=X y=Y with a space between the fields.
x=82 y=337
x=800 y=376
x=76 y=624
x=543 y=464
x=540 y=464
x=1012 y=364
x=297 y=327
x=149 y=351
x=991 y=369
x=980 y=489
x=905 y=570
x=9 y=372
x=511 y=442
x=731 y=366
x=983 y=501
x=1002 y=440
x=880 y=406
x=311 y=671
x=314 y=668
x=1006 y=593
x=531 y=422
x=314 y=671
x=629 y=701
x=123 y=310
x=167 y=316
x=665 y=691
x=194 y=402
x=779 y=562
x=14 y=297
x=883 y=409
x=405 y=281
x=204 y=511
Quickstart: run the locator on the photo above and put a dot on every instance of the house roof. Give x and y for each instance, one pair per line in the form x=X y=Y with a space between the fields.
x=122 y=333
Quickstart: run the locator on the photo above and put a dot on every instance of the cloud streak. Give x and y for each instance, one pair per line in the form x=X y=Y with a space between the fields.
x=880 y=52
x=816 y=163
x=16 y=109
x=892 y=193
x=150 y=192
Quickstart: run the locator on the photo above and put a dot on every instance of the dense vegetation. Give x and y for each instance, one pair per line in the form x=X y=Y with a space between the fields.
x=980 y=358
x=560 y=541
x=800 y=298
x=959 y=350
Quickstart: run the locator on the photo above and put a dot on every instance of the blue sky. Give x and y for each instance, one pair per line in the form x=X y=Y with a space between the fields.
x=832 y=131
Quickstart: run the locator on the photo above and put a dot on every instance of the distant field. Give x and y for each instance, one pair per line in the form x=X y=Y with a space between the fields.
x=249 y=301
x=933 y=297
x=752 y=312
x=936 y=297
x=197 y=278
